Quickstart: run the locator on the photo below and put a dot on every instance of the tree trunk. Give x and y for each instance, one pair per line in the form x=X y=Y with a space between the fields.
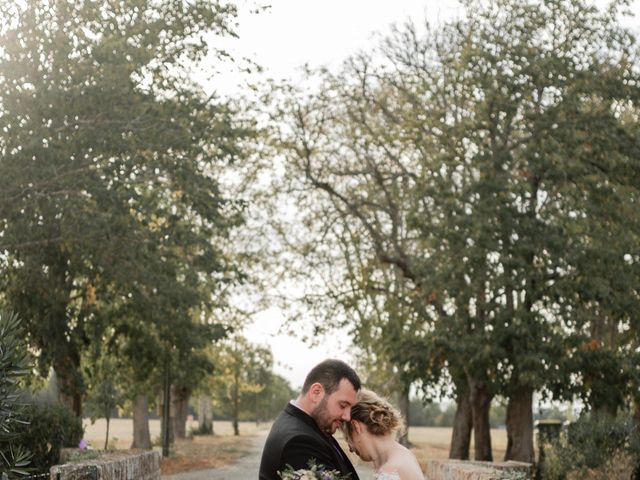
x=480 y=398
x=179 y=410
x=166 y=417
x=404 y=404
x=635 y=475
x=205 y=415
x=236 y=412
x=69 y=383
x=257 y=411
x=106 y=438
x=462 y=425
x=141 y=434
x=520 y=426
x=236 y=402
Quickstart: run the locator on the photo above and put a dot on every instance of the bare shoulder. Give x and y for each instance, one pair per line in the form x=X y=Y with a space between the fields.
x=403 y=463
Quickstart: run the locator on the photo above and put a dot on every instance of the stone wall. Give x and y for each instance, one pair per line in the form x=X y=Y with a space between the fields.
x=122 y=465
x=466 y=470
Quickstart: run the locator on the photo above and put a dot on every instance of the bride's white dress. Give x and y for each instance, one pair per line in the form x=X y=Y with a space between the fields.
x=386 y=476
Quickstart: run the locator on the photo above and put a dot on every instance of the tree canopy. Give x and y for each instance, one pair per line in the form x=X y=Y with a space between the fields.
x=110 y=206
x=473 y=187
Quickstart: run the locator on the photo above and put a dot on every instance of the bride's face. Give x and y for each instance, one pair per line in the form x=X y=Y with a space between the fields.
x=358 y=441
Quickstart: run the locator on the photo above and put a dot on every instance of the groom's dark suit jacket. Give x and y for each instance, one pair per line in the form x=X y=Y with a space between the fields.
x=295 y=439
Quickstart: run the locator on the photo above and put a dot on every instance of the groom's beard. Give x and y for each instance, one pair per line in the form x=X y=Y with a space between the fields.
x=322 y=417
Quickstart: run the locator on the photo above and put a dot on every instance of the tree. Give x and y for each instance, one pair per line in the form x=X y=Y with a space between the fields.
x=488 y=162
x=351 y=154
x=109 y=162
x=240 y=366
x=191 y=365
x=104 y=394
x=277 y=392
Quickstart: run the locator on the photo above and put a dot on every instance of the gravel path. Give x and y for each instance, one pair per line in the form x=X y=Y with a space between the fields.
x=246 y=468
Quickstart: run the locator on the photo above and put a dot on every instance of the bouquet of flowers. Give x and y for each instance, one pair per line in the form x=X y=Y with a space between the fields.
x=314 y=472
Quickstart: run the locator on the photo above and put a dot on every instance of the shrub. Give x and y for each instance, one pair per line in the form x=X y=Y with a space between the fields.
x=592 y=444
x=202 y=429
x=52 y=427
x=14 y=364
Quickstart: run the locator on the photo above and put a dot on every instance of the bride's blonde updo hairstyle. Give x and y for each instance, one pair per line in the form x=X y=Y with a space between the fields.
x=376 y=413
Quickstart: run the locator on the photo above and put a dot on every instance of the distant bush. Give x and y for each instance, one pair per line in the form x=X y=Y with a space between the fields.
x=202 y=429
x=51 y=428
x=599 y=447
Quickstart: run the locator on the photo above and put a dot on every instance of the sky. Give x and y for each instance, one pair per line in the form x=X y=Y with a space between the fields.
x=290 y=34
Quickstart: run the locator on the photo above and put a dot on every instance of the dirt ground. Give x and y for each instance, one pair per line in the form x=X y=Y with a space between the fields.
x=206 y=452
x=196 y=453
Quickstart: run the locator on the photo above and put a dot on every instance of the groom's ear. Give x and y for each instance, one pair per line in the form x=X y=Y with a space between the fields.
x=316 y=392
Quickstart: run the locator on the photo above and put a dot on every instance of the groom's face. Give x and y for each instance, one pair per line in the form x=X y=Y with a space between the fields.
x=335 y=408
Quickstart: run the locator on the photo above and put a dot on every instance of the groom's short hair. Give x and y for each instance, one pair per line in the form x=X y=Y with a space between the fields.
x=329 y=373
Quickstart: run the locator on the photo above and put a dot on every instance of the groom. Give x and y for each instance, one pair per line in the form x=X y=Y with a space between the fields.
x=304 y=430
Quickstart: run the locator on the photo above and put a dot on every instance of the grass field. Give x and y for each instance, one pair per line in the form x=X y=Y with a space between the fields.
x=212 y=451
x=121 y=431
x=433 y=443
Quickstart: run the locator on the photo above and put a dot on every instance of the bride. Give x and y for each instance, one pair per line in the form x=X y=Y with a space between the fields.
x=371 y=435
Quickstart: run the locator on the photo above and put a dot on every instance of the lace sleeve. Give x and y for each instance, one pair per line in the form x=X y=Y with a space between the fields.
x=386 y=476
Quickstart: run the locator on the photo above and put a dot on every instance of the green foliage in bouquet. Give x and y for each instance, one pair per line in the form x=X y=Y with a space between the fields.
x=314 y=472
